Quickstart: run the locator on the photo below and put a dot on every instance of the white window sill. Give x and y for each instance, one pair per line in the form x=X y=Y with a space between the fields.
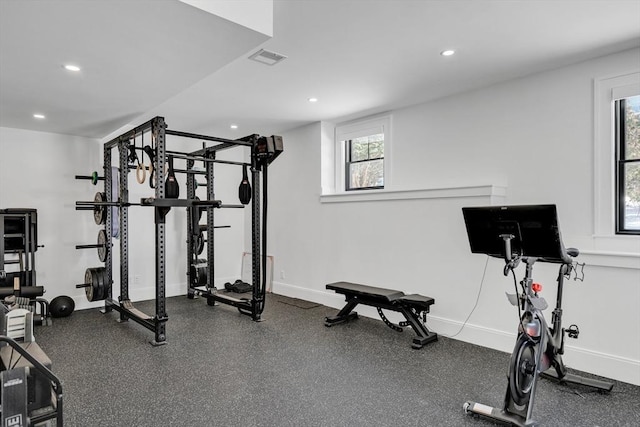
x=427 y=193
x=621 y=251
x=610 y=259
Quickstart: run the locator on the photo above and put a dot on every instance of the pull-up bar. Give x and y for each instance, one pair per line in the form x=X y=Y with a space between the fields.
x=180 y=155
x=206 y=137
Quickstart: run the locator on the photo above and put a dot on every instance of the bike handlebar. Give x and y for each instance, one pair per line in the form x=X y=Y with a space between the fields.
x=573 y=252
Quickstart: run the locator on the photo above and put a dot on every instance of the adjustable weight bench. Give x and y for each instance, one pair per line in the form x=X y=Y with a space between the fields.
x=413 y=307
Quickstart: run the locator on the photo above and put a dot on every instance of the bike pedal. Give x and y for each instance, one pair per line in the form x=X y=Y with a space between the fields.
x=573 y=331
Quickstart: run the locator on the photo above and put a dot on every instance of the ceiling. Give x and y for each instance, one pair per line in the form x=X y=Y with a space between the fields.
x=145 y=57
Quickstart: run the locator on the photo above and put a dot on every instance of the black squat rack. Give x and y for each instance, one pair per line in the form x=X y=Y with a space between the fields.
x=263 y=151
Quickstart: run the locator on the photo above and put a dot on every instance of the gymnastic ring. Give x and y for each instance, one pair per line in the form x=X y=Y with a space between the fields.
x=151 y=175
x=141 y=173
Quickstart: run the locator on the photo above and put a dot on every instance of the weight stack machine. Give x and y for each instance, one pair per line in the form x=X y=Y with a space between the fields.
x=18 y=246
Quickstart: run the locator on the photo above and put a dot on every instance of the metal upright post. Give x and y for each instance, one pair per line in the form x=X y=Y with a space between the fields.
x=192 y=226
x=28 y=248
x=109 y=261
x=211 y=195
x=258 y=294
x=158 y=131
x=123 y=210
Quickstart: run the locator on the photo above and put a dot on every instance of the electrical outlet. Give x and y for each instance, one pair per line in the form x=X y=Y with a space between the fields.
x=282 y=274
x=136 y=279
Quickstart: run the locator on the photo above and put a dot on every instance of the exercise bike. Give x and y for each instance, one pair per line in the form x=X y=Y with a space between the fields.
x=528 y=235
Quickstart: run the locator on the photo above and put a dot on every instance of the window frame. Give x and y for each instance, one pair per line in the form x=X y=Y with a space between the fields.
x=621 y=160
x=606 y=90
x=348 y=162
x=348 y=131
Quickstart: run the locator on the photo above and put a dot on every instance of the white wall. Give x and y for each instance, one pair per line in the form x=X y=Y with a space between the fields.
x=533 y=135
x=37 y=171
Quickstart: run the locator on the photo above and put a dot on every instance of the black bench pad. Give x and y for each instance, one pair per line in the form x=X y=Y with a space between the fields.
x=370 y=292
x=417 y=301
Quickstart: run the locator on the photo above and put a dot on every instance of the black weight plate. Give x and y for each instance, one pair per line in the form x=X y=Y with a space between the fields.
x=97 y=293
x=100 y=212
x=200 y=242
x=96 y=284
x=88 y=279
x=92 y=295
x=203 y=272
x=105 y=285
x=102 y=288
x=102 y=249
x=196 y=272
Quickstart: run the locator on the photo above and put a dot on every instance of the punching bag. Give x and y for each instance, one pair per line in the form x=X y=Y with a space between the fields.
x=244 y=191
x=171 y=187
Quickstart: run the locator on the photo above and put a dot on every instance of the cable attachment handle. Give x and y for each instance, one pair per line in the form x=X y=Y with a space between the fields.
x=578 y=271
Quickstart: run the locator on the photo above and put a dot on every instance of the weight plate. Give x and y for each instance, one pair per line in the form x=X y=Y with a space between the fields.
x=94 y=285
x=100 y=212
x=105 y=285
x=202 y=275
x=198 y=272
x=102 y=249
x=102 y=288
x=88 y=279
x=97 y=289
x=200 y=242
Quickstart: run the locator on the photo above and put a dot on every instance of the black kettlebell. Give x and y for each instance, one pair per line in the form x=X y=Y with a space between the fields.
x=61 y=306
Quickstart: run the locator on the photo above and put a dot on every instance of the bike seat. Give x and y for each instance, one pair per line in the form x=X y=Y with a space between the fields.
x=573 y=252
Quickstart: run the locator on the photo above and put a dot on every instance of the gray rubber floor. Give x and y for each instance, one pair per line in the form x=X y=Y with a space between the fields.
x=220 y=368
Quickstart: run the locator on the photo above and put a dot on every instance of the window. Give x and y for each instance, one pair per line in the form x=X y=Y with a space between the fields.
x=609 y=230
x=364 y=166
x=627 y=170
x=362 y=154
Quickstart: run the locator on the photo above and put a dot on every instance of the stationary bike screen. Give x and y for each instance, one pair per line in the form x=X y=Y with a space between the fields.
x=532 y=230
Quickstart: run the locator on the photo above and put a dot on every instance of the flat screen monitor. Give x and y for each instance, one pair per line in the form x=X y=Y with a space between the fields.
x=534 y=229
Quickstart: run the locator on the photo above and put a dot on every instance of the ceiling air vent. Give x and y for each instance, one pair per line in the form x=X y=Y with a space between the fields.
x=267 y=57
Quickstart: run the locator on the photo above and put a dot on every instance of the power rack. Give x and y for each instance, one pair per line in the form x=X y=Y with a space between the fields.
x=263 y=151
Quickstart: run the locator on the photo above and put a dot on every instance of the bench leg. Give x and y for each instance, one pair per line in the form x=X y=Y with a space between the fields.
x=343 y=315
x=424 y=335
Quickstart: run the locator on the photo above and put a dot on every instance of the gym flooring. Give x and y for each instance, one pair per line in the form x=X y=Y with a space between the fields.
x=219 y=368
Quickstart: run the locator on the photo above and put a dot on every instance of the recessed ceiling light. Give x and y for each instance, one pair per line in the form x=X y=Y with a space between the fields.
x=38 y=116
x=234 y=126
x=70 y=67
x=447 y=52
x=313 y=99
